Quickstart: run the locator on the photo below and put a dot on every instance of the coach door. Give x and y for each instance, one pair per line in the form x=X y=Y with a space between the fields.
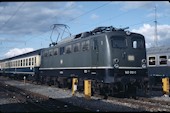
x=95 y=52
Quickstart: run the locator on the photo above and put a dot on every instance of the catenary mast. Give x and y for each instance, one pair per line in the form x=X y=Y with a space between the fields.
x=155 y=37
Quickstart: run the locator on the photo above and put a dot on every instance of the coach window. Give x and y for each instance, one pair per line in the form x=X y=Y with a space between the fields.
x=32 y=61
x=9 y=64
x=16 y=63
x=55 y=51
x=13 y=64
x=24 y=62
x=62 y=50
x=5 y=64
x=151 y=60
x=68 y=49
x=21 y=62
x=162 y=60
x=76 y=47
x=35 y=60
x=85 y=45
x=29 y=61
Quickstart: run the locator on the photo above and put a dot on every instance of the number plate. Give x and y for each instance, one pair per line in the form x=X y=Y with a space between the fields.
x=130 y=72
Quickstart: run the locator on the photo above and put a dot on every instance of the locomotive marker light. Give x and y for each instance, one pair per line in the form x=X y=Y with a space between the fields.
x=128 y=32
x=165 y=86
x=87 y=89
x=143 y=63
x=74 y=86
x=116 y=65
x=116 y=61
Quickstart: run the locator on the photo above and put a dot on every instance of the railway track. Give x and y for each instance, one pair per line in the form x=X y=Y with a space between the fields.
x=22 y=97
x=39 y=102
x=141 y=103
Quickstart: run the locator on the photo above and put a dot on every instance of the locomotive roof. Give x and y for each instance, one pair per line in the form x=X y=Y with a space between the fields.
x=155 y=50
x=96 y=31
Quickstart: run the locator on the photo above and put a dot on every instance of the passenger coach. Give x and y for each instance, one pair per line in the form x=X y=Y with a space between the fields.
x=22 y=65
x=158 y=64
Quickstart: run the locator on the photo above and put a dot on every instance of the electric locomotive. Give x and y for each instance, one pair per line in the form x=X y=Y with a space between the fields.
x=114 y=59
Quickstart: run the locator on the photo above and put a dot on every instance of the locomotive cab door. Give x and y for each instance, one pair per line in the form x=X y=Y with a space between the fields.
x=95 y=52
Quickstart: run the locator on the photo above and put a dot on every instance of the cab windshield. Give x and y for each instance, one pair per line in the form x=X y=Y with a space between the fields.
x=118 y=42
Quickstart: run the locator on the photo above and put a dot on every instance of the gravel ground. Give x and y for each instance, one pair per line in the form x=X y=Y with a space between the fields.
x=9 y=103
x=94 y=104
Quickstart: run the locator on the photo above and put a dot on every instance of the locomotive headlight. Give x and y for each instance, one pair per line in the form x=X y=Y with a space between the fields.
x=143 y=61
x=143 y=65
x=116 y=60
x=116 y=65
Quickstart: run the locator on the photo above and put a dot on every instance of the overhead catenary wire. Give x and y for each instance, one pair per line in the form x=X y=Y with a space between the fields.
x=77 y=16
x=9 y=19
x=90 y=11
x=113 y=17
x=2 y=9
x=85 y=14
x=42 y=23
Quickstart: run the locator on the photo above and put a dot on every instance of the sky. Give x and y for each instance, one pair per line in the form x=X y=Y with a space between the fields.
x=28 y=26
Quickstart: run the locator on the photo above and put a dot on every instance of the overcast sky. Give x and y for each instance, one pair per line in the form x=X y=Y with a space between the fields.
x=27 y=26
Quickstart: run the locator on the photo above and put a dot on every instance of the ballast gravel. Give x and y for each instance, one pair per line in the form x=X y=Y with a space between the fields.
x=94 y=104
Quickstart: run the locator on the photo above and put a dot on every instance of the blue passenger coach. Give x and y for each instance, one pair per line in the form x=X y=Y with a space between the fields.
x=158 y=61
x=22 y=65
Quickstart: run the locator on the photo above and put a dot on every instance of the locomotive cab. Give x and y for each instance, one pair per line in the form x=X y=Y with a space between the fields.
x=126 y=55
